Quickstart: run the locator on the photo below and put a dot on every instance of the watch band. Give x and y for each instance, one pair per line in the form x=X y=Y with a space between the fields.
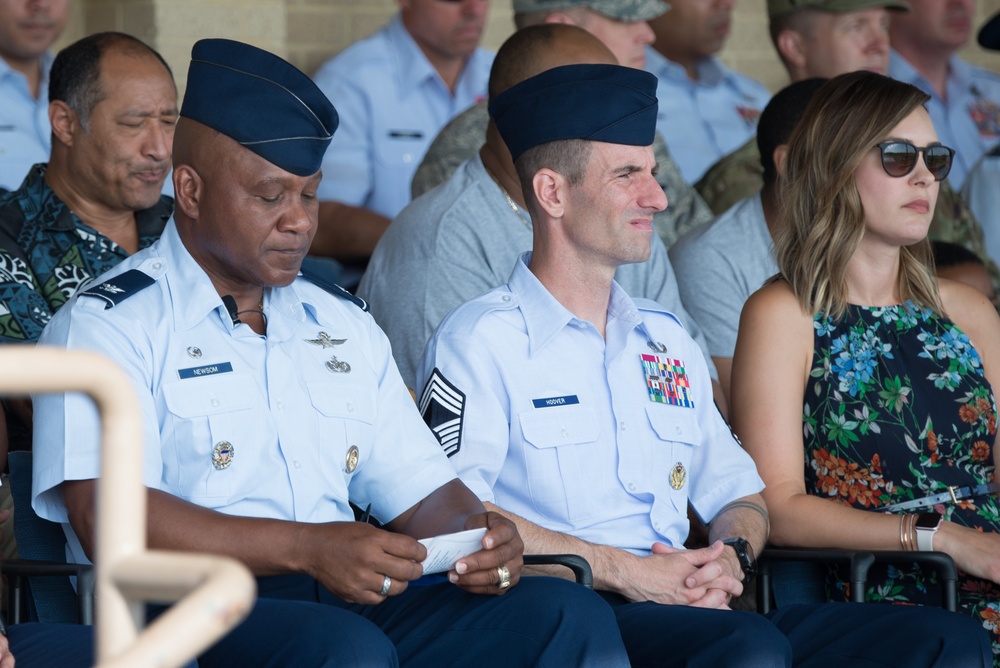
x=745 y=556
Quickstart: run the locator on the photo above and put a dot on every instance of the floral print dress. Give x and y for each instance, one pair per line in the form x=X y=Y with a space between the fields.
x=897 y=408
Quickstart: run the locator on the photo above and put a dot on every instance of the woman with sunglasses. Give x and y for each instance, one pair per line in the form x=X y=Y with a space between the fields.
x=860 y=383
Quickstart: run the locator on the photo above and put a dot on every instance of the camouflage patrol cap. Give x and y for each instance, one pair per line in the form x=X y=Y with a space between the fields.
x=781 y=7
x=622 y=10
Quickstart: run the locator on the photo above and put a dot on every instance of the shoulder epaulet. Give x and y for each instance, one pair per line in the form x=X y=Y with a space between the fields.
x=315 y=275
x=119 y=288
x=650 y=305
x=465 y=319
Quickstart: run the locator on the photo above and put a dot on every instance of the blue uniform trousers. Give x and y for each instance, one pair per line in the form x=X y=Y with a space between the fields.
x=540 y=622
x=877 y=635
x=47 y=645
x=806 y=636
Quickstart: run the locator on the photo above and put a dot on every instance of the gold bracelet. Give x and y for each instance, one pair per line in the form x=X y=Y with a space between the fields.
x=909 y=538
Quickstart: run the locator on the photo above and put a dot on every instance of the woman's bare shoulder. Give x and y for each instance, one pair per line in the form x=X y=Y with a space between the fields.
x=775 y=299
x=969 y=308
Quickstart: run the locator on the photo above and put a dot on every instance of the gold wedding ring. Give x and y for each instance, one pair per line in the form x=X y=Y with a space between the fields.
x=504 y=575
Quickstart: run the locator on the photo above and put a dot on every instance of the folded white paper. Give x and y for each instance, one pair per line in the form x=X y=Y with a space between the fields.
x=444 y=551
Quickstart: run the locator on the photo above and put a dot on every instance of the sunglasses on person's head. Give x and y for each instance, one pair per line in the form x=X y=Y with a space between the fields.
x=899 y=158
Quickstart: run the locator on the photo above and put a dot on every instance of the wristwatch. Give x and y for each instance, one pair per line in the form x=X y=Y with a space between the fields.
x=926 y=526
x=745 y=555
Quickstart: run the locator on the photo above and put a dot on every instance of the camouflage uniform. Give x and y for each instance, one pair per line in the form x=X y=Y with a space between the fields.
x=733 y=178
x=466 y=133
x=740 y=175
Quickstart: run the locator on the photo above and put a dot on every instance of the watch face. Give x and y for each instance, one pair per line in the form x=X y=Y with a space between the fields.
x=929 y=520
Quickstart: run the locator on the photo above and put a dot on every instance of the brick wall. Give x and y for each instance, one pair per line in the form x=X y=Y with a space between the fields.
x=308 y=32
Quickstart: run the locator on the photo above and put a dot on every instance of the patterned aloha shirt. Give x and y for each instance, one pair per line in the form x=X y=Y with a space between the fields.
x=47 y=254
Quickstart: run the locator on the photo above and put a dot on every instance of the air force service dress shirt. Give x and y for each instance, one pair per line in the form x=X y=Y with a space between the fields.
x=969 y=121
x=604 y=439
x=284 y=426
x=25 y=133
x=392 y=103
x=703 y=121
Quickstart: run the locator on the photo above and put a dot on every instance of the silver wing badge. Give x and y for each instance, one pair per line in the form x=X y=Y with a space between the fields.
x=323 y=340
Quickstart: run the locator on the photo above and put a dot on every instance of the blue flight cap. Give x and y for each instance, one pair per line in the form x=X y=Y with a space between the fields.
x=261 y=101
x=607 y=103
x=989 y=34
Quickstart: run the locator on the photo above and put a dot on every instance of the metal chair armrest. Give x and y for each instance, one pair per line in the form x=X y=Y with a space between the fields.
x=19 y=569
x=939 y=562
x=580 y=566
x=860 y=561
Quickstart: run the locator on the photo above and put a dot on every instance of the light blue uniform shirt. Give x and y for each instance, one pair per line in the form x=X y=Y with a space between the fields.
x=290 y=421
x=25 y=133
x=982 y=191
x=556 y=424
x=392 y=103
x=705 y=120
x=969 y=121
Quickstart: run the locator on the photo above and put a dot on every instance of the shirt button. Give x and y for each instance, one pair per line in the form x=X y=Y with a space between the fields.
x=157 y=265
x=350 y=407
x=564 y=433
x=215 y=403
x=407 y=157
x=631 y=487
x=297 y=463
x=280 y=405
x=679 y=430
x=623 y=425
x=506 y=298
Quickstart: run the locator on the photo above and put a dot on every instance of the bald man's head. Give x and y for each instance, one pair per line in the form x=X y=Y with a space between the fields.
x=191 y=140
x=202 y=154
x=538 y=48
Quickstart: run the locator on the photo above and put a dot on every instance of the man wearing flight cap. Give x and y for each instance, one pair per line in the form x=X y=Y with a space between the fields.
x=587 y=417
x=269 y=403
x=460 y=240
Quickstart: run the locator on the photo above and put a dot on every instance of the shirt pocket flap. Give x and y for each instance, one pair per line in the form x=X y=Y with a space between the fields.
x=552 y=427
x=675 y=424
x=347 y=402
x=210 y=396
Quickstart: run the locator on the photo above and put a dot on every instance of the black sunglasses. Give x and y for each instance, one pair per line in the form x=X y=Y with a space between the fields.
x=899 y=158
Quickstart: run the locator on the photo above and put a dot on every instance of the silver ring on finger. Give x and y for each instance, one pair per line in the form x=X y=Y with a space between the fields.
x=504 y=576
x=386 y=583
